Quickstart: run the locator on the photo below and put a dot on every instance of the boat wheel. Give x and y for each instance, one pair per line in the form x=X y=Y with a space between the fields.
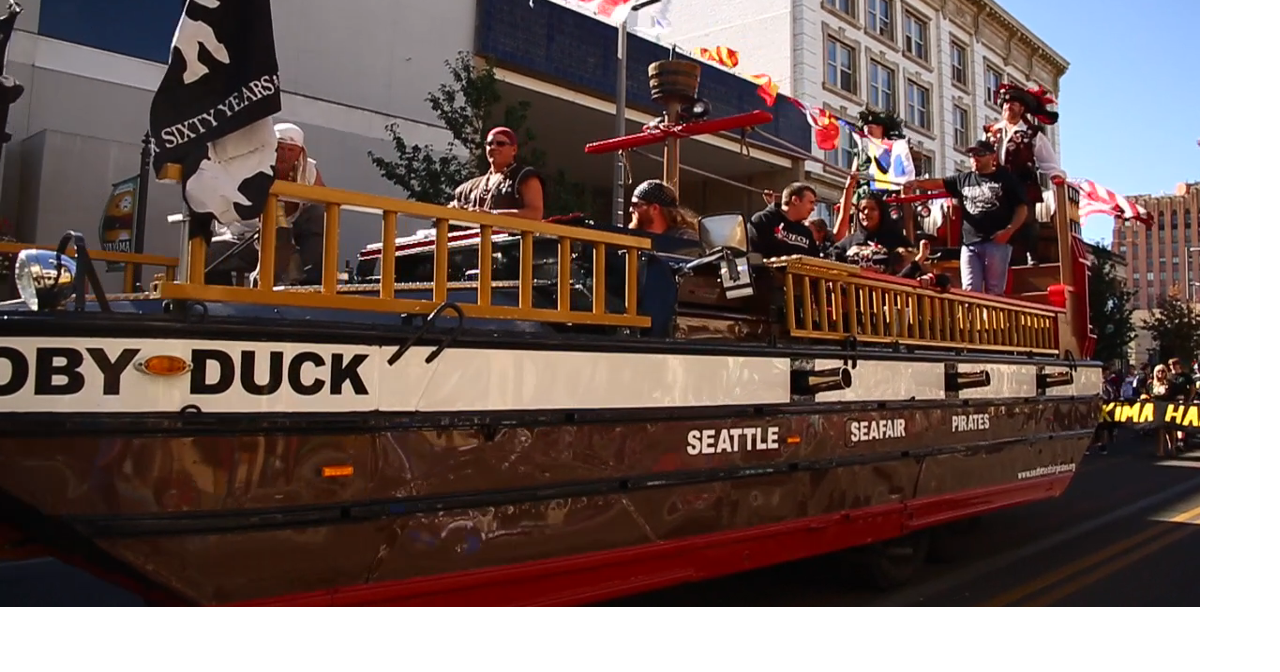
x=892 y=563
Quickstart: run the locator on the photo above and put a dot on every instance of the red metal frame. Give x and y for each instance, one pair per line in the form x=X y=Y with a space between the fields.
x=654 y=135
x=596 y=577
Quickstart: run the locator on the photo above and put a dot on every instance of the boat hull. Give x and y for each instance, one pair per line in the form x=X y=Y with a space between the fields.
x=230 y=519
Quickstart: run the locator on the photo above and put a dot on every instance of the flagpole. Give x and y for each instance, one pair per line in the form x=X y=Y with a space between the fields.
x=620 y=119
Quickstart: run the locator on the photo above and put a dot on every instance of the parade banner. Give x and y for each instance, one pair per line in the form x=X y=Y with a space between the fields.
x=1152 y=414
x=115 y=233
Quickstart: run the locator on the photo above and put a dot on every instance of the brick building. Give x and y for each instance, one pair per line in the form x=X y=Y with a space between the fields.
x=1166 y=257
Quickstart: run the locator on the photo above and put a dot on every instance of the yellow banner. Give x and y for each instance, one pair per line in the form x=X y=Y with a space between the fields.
x=1166 y=413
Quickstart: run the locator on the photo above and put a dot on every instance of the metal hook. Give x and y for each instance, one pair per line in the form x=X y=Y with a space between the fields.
x=453 y=335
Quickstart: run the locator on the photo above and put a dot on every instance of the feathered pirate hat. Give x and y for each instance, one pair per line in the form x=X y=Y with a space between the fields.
x=886 y=119
x=1035 y=102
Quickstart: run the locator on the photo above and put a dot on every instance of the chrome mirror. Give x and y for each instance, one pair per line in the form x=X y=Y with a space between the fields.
x=39 y=281
x=727 y=230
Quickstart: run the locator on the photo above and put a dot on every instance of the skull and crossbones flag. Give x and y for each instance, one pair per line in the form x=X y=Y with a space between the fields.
x=212 y=113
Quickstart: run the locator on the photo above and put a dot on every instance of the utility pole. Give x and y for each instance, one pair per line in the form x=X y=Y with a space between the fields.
x=620 y=119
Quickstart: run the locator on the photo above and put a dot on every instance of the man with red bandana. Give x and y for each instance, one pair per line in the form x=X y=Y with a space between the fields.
x=509 y=188
x=1023 y=148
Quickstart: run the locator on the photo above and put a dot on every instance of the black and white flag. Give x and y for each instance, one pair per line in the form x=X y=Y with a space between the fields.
x=212 y=113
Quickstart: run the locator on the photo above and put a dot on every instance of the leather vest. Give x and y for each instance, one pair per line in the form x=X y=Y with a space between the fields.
x=1020 y=157
x=486 y=193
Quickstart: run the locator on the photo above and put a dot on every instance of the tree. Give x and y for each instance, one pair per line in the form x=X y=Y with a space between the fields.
x=1175 y=328
x=468 y=106
x=1110 y=310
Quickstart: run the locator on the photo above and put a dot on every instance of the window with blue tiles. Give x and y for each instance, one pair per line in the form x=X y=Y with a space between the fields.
x=139 y=28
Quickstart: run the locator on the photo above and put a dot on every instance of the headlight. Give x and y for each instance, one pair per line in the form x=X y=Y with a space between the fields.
x=36 y=274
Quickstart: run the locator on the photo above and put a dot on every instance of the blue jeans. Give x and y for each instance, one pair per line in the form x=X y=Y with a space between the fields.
x=984 y=267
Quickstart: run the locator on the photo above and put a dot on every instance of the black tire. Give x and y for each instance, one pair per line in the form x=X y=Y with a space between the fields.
x=891 y=564
x=951 y=542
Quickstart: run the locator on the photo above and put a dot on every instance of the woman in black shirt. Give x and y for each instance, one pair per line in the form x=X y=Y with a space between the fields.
x=878 y=243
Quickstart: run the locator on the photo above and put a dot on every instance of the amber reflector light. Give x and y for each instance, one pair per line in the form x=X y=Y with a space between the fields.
x=793 y=439
x=165 y=365
x=337 y=471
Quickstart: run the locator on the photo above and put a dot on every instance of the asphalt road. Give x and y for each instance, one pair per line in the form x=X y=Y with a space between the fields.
x=1126 y=533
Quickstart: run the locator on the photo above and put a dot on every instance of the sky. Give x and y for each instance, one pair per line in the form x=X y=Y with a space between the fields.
x=1130 y=101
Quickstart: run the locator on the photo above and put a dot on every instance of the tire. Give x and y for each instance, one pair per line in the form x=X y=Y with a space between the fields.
x=891 y=564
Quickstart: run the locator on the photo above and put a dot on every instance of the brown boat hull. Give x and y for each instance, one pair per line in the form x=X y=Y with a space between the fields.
x=449 y=516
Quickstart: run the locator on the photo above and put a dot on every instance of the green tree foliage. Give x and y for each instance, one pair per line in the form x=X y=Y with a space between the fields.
x=1175 y=327
x=1110 y=310
x=468 y=106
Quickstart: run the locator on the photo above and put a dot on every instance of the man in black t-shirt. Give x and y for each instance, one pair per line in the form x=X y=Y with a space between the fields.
x=780 y=230
x=993 y=206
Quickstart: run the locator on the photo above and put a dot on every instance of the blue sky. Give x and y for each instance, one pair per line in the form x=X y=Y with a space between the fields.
x=1130 y=101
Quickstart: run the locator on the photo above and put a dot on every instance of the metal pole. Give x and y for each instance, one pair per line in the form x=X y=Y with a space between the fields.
x=140 y=208
x=620 y=119
x=620 y=128
x=1186 y=269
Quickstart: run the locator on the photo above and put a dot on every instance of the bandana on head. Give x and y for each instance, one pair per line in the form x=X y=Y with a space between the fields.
x=655 y=192
x=290 y=133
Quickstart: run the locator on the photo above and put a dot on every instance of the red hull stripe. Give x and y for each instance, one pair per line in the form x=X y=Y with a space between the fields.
x=595 y=577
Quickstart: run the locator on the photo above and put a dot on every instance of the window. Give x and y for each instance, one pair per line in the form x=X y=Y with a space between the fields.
x=881 y=86
x=925 y=167
x=994 y=80
x=959 y=64
x=1176 y=260
x=1186 y=218
x=916 y=33
x=840 y=72
x=1136 y=278
x=1150 y=277
x=960 y=126
x=1124 y=249
x=918 y=108
x=139 y=28
x=1160 y=221
x=1173 y=219
x=843 y=154
x=843 y=6
x=1163 y=276
x=880 y=18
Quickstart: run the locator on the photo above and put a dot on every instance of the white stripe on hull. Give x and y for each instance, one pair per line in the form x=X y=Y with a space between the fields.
x=354 y=378
x=888 y=381
x=900 y=381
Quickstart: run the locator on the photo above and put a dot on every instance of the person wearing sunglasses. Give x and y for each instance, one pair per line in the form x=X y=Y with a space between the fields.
x=509 y=188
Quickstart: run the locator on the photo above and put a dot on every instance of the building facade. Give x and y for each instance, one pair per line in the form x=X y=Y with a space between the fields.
x=348 y=70
x=1164 y=259
x=938 y=63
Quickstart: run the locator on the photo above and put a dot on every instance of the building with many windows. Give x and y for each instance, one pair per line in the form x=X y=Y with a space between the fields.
x=1165 y=258
x=938 y=63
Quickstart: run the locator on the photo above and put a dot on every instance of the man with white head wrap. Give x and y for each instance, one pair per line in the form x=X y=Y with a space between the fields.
x=300 y=239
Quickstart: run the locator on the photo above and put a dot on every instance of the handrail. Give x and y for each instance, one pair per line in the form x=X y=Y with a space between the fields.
x=131 y=260
x=835 y=301
x=328 y=296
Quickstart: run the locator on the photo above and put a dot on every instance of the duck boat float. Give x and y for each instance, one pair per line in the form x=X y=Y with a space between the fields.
x=549 y=414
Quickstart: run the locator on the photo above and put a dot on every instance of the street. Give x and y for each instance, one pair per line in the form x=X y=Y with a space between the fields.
x=1126 y=533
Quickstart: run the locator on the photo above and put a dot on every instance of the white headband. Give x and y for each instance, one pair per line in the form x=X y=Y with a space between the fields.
x=290 y=133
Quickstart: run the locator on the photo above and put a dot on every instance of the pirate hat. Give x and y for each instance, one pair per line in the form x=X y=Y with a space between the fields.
x=1035 y=102
x=886 y=119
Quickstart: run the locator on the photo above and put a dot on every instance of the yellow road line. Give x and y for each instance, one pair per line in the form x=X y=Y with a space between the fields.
x=1082 y=564
x=1110 y=568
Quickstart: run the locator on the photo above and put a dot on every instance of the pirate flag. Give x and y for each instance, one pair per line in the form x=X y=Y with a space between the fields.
x=212 y=113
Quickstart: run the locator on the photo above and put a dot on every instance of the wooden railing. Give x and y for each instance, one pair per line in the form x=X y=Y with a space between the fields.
x=132 y=262
x=830 y=300
x=390 y=209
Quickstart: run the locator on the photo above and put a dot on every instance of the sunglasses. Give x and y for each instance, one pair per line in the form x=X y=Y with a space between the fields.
x=496 y=143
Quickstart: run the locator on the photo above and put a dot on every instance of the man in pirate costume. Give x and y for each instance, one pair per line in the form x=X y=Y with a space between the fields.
x=509 y=188
x=1023 y=147
x=884 y=157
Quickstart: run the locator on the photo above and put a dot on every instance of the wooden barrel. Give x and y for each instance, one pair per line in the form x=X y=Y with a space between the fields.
x=675 y=81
